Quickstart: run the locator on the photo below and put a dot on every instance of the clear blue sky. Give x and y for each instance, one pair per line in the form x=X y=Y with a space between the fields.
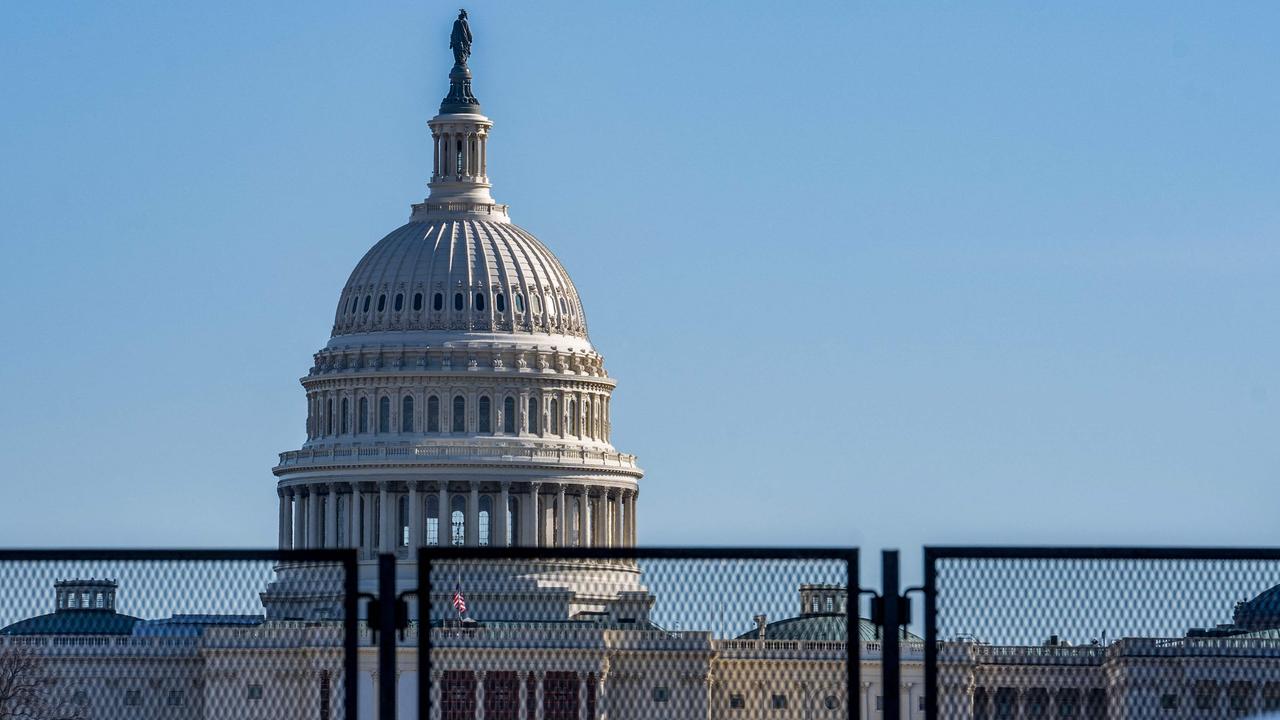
x=880 y=274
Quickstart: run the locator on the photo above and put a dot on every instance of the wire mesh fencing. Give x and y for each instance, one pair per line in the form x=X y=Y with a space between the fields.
x=567 y=634
x=1114 y=633
x=160 y=634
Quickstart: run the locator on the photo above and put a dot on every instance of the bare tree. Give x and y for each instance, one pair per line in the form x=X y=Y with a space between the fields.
x=26 y=689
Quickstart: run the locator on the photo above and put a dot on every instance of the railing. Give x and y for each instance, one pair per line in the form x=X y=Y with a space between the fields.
x=105 y=645
x=557 y=454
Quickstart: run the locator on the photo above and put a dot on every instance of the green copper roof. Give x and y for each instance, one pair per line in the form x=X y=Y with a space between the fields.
x=74 y=622
x=821 y=627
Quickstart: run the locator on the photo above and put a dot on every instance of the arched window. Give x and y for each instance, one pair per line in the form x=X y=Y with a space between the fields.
x=457 y=301
x=533 y=415
x=535 y=303
x=433 y=414
x=513 y=521
x=554 y=428
x=382 y=302
x=486 y=426
x=406 y=414
x=458 y=164
x=346 y=416
x=551 y=305
x=483 y=524
x=590 y=428
x=328 y=416
x=564 y=307
x=479 y=302
x=519 y=302
x=500 y=302
x=417 y=302
x=399 y=302
x=402 y=520
x=384 y=414
x=433 y=520
x=362 y=421
x=437 y=302
x=509 y=415
x=573 y=417
x=367 y=299
x=458 y=518
x=351 y=306
x=459 y=413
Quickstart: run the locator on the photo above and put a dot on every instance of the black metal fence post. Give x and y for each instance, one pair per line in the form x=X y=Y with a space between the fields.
x=387 y=636
x=890 y=651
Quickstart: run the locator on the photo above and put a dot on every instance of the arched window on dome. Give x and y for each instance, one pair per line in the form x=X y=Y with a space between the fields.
x=564 y=307
x=554 y=429
x=384 y=414
x=362 y=415
x=458 y=302
x=399 y=305
x=459 y=414
x=433 y=414
x=483 y=524
x=573 y=417
x=351 y=306
x=437 y=302
x=432 y=523
x=382 y=302
x=509 y=415
x=346 y=416
x=402 y=520
x=458 y=165
x=458 y=519
x=590 y=429
x=513 y=521
x=406 y=414
x=500 y=302
x=417 y=302
x=520 y=302
x=479 y=302
x=328 y=416
x=536 y=303
x=485 y=424
x=533 y=416
x=551 y=305
x=367 y=299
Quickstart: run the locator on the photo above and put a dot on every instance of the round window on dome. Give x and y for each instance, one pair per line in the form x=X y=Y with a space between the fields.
x=437 y=302
x=831 y=702
x=382 y=302
x=399 y=302
x=458 y=301
x=500 y=302
x=417 y=302
x=519 y=302
x=479 y=302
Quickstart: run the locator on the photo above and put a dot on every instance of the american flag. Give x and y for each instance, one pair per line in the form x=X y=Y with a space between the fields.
x=459 y=602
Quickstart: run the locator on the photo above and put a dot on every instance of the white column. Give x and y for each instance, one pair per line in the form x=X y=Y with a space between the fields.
x=618 y=524
x=384 y=519
x=480 y=694
x=532 y=533
x=444 y=525
x=331 y=517
x=584 y=517
x=562 y=520
x=582 y=696
x=282 y=521
x=537 y=695
x=299 y=519
x=368 y=532
x=504 y=534
x=522 y=679
x=631 y=517
x=353 y=518
x=414 y=520
x=436 y=678
x=473 y=515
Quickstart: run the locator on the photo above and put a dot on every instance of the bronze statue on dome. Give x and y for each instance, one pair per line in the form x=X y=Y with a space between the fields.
x=460 y=39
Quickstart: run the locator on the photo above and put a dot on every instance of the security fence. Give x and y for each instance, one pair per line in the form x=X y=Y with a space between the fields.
x=1101 y=633
x=177 y=634
x=620 y=633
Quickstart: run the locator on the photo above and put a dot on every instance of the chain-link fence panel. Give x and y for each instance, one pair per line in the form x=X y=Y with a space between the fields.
x=158 y=634
x=565 y=634
x=1057 y=633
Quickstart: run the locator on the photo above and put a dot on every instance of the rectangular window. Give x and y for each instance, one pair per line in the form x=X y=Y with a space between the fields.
x=661 y=694
x=1169 y=701
x=176 y=698
x=737 y=702
x=254 y=691
x=433 y=531
x=132 y=698
x=778 y=702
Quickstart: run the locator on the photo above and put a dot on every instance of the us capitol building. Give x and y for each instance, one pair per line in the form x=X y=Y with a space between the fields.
x=460 y=401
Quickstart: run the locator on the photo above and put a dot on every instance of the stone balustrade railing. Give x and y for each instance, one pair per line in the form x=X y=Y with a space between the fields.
x=545 y=454
x=113 y=645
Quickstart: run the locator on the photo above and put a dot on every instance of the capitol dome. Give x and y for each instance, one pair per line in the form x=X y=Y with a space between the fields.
x=459 y=277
